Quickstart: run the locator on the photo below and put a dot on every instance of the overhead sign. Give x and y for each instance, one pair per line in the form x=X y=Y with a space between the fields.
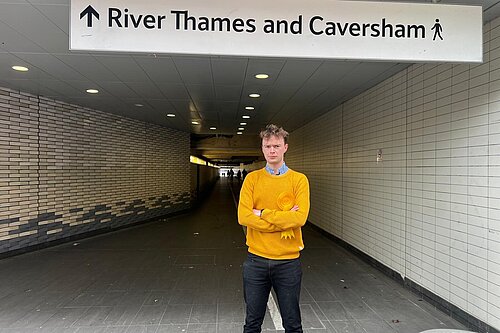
x=281 y=28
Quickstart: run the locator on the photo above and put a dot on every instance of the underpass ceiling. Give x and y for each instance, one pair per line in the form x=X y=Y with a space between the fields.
x=210 y=89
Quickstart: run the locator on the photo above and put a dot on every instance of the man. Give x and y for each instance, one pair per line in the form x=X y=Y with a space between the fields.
x=274 y=204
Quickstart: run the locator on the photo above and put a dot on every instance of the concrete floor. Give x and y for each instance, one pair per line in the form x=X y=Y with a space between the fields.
x=183 y=274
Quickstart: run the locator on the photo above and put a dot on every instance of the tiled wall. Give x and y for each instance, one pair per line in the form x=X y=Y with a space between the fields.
x=430 y=208
x=203 y=177
x=66 y=170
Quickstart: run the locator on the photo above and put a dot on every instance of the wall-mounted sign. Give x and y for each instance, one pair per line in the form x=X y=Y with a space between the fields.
x=281 y=28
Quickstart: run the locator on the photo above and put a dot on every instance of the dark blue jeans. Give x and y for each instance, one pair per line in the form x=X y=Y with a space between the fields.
x=284 y=276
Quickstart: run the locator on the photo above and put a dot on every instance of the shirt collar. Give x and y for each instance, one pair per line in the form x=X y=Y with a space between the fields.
x=281 y=170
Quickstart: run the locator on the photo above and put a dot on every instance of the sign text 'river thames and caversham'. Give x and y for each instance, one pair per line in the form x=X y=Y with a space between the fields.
x=281 y=28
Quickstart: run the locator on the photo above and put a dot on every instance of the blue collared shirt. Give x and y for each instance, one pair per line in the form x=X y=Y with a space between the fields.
x=281 y=170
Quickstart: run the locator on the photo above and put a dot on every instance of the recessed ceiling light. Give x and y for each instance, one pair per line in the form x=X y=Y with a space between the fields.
x=241 y=128
x=249 y=108
x=243 y=124
x=195 y=122
x=171 y=115
x=213 y=128
x=254 y=95
x=92 y=91
x=20 y=68
x=262 y=76
x=245 y=117
x=239 y=133
x=139 y=105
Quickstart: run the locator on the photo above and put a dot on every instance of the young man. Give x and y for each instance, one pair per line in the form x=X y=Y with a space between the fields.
x=274 y=204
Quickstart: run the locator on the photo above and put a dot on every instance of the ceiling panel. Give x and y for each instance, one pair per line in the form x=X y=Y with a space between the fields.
x=194 y=70
x=183 y=106
x=123 y=67
x=204 y=105
x=80 y=88
x=45 y=2
x=227 y=93
x=160 y=69
x=51 y=65
x=119 y=89
x=88 y=66
x=147 y=90
x=35 y=27
x=13 y=41
x=210 y=114
x=108 y=104
x=272 y=67
x=173 y=90
x=199 y=92
x=295 y=72
x=57 y=14
x=62 y=88
x=163 y=106
x=228 y=106
x=330 y=70
x=229 y=71
x=8 y=60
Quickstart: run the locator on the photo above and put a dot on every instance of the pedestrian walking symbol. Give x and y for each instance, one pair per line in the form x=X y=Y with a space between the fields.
x=437 y=30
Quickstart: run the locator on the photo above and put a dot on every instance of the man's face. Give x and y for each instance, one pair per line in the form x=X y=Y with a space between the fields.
x=274 y=149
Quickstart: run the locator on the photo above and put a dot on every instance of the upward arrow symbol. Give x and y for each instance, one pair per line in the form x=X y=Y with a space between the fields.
x=89 y=11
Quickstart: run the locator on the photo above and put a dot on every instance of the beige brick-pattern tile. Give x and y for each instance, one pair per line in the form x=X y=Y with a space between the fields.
x=18 y=163
x=65 y=170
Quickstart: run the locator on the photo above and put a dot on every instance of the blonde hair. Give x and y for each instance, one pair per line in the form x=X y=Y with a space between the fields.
x=273 y=130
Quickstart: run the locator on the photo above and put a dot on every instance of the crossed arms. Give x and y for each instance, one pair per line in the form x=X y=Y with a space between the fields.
x=273 y=220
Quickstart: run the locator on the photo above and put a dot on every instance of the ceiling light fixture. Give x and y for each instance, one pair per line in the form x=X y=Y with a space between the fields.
x=171 y=115
x=241 y=128
x=20 y=68
x=195 y=122
x=139 y=105
x=243 y=124
x=262 y=76
x=249 y=108
x=213 y=128
x=245 y=117
x=239 y=133
x=92 y=91
x=254 y=95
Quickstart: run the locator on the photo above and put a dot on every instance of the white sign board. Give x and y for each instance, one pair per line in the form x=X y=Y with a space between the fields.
x=281 y=28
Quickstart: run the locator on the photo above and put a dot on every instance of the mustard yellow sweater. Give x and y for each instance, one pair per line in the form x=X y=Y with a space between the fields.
x=276 y=195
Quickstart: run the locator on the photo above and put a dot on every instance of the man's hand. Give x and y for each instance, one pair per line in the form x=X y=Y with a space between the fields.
x=294 y=208
x=257 y=212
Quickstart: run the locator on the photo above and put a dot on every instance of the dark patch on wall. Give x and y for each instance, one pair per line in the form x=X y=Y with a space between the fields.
x=33 y=224
x=7 y=221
